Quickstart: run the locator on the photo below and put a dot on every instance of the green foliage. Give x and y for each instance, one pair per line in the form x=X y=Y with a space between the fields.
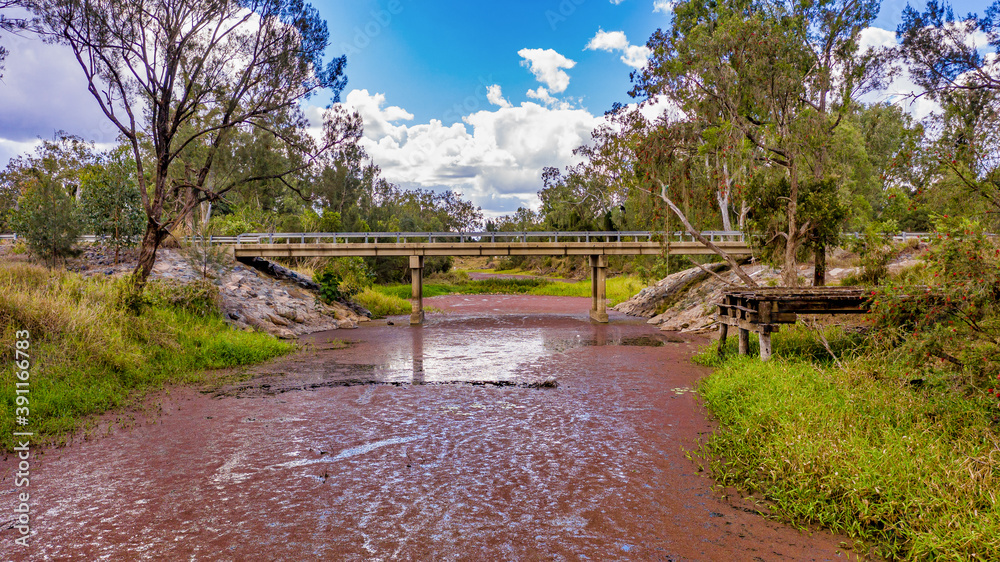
x=343 y=278
x=875 y=250
x=245 y=218
x=952 y=325
x=48 y=219
x=619 y=289
x=382 y=304
x=199 y=298
x=91 y=354
x=111 y=204
x=910 y=472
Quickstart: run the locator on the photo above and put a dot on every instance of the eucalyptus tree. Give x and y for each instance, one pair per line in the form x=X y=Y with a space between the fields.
x=764 y=83
x=947 y=57
x=184 y=74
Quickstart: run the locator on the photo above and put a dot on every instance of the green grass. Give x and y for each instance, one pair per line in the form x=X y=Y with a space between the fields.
x=382 y=303
x=88 y=355
x=914 y=472
x=618 y=289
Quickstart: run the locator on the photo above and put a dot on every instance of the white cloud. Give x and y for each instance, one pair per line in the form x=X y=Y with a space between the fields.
x=547 y=65
x=616 y=41
x=494 y=157
x=664 y=6
x=902 y=90
x=495 y=96
x=542 y=95
x=616 y=2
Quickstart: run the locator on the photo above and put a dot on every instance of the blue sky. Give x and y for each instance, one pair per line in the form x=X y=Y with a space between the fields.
x=431 y=56
x=475 y=97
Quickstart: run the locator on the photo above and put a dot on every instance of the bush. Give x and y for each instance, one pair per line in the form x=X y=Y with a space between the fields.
x=953 y=324
x=48 y=219
x=343 y=278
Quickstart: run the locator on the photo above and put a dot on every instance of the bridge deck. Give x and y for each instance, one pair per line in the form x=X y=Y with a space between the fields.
x=644 y=248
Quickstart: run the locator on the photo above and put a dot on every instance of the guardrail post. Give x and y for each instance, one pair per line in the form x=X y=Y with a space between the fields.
x=598 y=288
x=417 y=283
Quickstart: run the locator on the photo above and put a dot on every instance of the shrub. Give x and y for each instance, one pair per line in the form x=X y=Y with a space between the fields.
x=954 y=323
x=343 y=278
x=48 y=219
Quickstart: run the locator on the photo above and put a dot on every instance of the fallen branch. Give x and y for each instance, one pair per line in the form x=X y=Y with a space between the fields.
x=710 y=272
x=705 y=241
x=826 y=344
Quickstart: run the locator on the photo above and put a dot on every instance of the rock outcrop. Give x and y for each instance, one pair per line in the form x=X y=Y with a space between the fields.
x=284 y=307
x=684 y=300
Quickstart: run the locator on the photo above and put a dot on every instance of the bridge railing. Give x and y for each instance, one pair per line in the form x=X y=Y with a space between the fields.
x=477 y=237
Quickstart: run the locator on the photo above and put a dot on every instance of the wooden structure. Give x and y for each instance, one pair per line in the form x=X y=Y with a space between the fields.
x=763 y=310
x=416 y=245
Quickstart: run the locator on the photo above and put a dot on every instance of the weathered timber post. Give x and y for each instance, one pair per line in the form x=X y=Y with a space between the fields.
x=417 y=280
x=765 y=330
x=598 y=288
x=723 y=332
x=744 y=341
x=744 y=333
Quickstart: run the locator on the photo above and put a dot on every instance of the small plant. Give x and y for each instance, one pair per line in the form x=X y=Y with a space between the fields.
x=211 y=260
x=874 y=248
x=48 y=219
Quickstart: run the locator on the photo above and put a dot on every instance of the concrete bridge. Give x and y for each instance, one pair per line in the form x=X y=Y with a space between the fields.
x=417 y=245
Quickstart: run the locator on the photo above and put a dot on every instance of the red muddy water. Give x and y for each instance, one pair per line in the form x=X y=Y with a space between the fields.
x=441 y=442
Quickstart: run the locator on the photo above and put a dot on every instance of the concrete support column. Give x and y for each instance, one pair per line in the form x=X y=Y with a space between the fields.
x=723 y=332
x=744 y=342
x=598 y=288
x=417 y=278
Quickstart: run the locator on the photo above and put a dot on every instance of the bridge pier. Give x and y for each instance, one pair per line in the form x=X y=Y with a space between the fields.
x=598 y=288
x=417 y=281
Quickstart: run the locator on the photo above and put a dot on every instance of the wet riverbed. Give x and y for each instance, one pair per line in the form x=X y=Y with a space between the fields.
x=506 y=428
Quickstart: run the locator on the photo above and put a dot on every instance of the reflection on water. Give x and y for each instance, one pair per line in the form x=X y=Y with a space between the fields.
x=497 y=350
x=502 y=350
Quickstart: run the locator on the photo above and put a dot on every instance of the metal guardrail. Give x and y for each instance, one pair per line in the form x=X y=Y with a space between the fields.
x=476 y=237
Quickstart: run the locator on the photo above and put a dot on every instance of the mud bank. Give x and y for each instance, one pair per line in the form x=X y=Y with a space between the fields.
x=398 y=443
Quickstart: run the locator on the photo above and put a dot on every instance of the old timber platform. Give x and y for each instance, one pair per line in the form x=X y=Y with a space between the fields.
x=763 y=310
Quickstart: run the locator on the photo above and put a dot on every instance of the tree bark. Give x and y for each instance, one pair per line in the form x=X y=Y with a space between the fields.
x=790 y=271
x=147 y=254
x=819 y=273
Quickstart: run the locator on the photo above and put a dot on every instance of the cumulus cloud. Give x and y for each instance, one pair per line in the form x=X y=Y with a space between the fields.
x=494 y=157
x=495 y=96
x=547 y=65
x=616 y=41
x=664 y=6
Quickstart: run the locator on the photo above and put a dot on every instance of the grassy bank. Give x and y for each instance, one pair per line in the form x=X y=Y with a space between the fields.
x=89 y=355
x=386 y=300
x=911 y=469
